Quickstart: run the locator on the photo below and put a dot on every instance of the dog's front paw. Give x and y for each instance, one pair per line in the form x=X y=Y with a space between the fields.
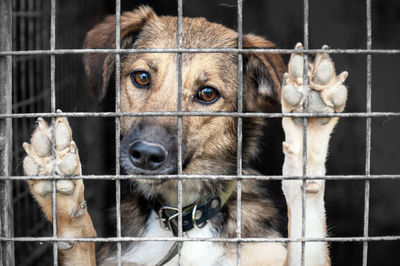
x=326 y=92
x=70 y=198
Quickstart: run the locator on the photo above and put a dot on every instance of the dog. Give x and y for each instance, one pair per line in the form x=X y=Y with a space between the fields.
x=149 y=146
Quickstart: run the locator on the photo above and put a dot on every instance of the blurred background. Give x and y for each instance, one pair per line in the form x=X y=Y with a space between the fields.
x=339 y=23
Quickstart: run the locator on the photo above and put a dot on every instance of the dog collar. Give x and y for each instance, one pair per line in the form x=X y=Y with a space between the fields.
x=194 y=215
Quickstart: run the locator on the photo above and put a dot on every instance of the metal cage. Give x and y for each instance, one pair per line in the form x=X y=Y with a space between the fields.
x=28 y=49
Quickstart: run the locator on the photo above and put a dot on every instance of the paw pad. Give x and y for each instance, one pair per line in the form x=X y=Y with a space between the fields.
x=325 y=71
x=38 y=161
x=325 y=93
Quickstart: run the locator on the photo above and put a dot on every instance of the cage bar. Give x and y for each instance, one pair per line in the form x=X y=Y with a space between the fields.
x=179 y=192
x=239 y=170
x=212 y=177
x=304 y=129
x=203 y=239
x=53 y=110
x=199 y=50
x=6 y=197
x=118 y=124
x=368 y=135
x=190 y=113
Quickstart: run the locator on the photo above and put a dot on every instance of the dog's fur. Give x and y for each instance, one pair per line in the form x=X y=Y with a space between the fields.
x=209 y=144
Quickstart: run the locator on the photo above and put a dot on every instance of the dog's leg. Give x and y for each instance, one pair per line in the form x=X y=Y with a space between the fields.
x=73 y=220
x=325 y=94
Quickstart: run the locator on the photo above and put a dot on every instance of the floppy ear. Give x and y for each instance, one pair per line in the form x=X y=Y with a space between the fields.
x=100 y=67
x=263 y=73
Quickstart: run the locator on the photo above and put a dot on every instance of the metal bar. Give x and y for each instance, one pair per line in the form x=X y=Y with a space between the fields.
x=53 y=110
x=179 y=121
x=205 y=113
x=6 y=205
x=200 y=239
x=239 y=165
x=197 y=50
x=212 y=177
x=118 y=123
x=305 y=125
x=368 y=134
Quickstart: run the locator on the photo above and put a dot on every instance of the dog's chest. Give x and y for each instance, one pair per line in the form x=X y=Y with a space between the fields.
x=193 y=253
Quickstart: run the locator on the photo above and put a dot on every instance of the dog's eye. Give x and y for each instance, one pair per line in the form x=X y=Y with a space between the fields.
x=207 y=95
x=141 y=79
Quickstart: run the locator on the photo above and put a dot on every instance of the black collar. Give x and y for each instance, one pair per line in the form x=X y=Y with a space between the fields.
x=194 y=215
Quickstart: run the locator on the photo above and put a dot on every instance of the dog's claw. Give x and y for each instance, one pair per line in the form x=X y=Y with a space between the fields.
x=299 y=45
x=65 y=245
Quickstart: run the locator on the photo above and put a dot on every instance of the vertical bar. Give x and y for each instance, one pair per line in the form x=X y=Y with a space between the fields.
x=305 y=124
x=179 y=121
x=6 y=210
x=118 y=123
x=368 y=135
x=239 y=133
x=29 y=220
x=53 y=110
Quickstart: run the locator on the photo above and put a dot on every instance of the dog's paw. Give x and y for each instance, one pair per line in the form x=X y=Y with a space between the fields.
x=70 y=198
x=325 y=93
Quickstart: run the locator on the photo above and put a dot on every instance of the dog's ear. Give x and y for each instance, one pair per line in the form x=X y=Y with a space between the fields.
x=263 y=73
x=100 y=67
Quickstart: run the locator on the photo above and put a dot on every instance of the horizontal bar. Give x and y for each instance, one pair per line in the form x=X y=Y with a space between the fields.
x=214 y=177
x=175 y=113
x=198 y=50
x=198 y=239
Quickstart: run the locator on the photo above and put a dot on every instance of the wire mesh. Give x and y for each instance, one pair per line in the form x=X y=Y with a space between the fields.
x=30 y=93
x=31 y=102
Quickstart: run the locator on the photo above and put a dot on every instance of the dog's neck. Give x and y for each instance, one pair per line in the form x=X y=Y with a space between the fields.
x=170 y=197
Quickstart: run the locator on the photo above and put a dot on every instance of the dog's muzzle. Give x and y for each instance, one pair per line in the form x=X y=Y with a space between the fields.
x=149 y=149
x=147 y=155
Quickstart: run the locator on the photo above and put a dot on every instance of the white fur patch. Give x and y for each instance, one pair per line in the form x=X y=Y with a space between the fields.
x=149 y=253
x=204 y=253
x=193 y=253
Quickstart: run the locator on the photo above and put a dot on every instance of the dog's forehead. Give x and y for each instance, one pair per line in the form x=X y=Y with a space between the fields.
x=197 y=33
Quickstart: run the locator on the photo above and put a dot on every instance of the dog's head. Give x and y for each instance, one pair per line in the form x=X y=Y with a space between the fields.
x=149 y=83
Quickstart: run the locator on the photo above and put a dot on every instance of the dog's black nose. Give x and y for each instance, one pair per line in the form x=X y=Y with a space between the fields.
x=147 y=155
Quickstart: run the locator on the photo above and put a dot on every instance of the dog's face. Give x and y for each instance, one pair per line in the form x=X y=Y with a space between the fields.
x=149 y=83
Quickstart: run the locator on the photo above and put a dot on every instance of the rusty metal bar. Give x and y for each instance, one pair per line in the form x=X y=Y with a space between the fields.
x=197 y=50
x=198 y=239
x=368 y=134
x=239 y=156
x=6 y=204
x=205 y=113
x=118 y=125
x=213 y=177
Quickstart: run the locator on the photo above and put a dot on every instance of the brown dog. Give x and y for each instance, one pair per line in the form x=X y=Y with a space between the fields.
x=209 y=146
